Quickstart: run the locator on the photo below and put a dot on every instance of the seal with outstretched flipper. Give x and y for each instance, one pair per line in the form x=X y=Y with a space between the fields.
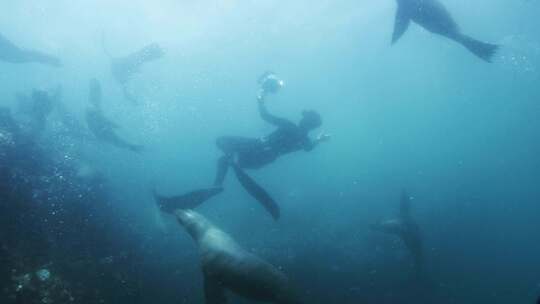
x=124 y=68
x=9 y=52
x=434 y=17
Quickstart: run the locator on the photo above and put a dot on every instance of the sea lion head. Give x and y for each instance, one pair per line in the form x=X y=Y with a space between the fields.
x=194 y=223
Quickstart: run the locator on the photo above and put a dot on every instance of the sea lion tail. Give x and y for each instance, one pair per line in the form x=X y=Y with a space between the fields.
x=484 y=50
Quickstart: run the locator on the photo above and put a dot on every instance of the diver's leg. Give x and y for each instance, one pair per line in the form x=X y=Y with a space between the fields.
x=235 y=144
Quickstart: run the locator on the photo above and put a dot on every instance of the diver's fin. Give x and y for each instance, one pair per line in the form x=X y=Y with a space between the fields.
x=402 y=22
x=189 y=200
x=257 y=192
x=483 y=50
x=158 y=199
x=405 y=204
x=214 y=292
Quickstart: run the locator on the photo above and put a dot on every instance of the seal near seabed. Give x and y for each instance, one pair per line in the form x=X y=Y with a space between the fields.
x=227 y=266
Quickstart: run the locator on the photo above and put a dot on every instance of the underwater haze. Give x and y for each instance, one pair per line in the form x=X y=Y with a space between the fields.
x=460 y=135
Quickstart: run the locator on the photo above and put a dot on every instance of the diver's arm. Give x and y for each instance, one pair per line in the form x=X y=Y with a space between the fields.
x=277 y=121
x=310 y=144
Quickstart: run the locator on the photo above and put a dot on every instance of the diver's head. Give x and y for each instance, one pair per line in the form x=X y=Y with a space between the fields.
x=310 y=120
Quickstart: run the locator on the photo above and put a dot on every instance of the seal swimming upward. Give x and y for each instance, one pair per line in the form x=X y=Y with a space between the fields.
x=103 y=128
x=227 y=266
x=9 y=52
x=434 y=17
x=406 y=228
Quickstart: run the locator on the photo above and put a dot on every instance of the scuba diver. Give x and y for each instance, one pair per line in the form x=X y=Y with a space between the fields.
x=125 y=68
x=254 y=153
x=9 y=52
x=103 y=128
x=406 y=228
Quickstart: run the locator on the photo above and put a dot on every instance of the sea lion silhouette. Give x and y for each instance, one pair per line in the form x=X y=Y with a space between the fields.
x=434 y=17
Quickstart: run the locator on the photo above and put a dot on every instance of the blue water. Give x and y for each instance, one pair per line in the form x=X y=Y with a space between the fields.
x=460 y=134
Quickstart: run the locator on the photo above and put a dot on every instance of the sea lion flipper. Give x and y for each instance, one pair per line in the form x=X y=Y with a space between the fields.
x=483 y=50
x=214 y=293
x=402 y=23
x=257 y=192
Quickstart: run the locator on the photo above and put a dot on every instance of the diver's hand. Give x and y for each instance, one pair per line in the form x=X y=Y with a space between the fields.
x=323 y=137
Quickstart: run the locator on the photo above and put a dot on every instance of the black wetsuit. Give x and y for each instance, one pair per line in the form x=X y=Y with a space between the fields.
x=250 y=153
x=253 y=153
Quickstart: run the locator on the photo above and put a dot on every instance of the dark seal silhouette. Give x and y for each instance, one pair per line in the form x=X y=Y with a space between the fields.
x=406 y=228
x=9 y=52
x=434 y=17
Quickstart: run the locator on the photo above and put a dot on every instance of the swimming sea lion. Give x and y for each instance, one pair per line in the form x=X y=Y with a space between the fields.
x=9 y=52
x=407 y=230
x=434 y=17
x=227 y=266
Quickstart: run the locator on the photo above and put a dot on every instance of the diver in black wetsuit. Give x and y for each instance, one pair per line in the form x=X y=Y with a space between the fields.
x=9 y=52
x=252 y=153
